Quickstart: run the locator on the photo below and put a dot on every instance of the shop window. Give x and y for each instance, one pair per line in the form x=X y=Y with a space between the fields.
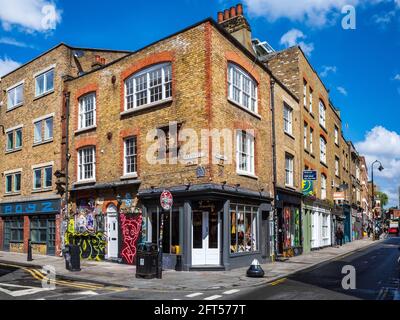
x=38 y=230
x=16 y=226
x=244 y=229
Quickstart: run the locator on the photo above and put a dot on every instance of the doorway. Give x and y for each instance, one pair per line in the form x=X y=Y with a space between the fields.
x=112 y=232
x=206 y=243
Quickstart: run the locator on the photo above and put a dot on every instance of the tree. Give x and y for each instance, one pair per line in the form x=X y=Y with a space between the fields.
x=383 y=197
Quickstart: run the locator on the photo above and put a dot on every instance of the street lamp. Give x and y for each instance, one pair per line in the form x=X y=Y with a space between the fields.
x=380 y=168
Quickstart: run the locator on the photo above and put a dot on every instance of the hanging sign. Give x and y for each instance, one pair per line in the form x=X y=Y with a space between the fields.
x=166 y=200
x=308 y=188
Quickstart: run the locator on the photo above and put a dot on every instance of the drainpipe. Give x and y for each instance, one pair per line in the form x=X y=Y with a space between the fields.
x=67 y=155
x=274 y=168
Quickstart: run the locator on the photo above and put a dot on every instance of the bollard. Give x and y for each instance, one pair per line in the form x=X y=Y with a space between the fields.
x=255 y=270
x=29 y=258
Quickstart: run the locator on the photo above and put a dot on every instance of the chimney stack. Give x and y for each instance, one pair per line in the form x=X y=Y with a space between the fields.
x=98 y=62
x=233 y=21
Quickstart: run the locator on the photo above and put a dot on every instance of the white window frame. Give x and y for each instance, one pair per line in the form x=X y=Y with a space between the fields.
x=289 y=170
x=44 y=74
x=12 y=174
x=311 y=140
x=126 y=156
x=305 y=93
x=81 y=164
x=14 y=131
x=43 y=127
x=323 y=143
x=322 y=114
x=248 y=154
x=166 y=95
x=251 y=95
x=323 y=187
x=336 y=135
x=83 y=113
x=305 y=136
x=311 y=100
x=337 y=166
x=42 y=168
x=13 y=90
x=287 y=118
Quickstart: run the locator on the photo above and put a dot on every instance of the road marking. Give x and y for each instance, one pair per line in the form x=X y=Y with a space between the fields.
x=176 y=299
x=213 y=297
x=84 y=293
x=231 y=291
x=25 y=290
x=275 y=283
x=193 y=295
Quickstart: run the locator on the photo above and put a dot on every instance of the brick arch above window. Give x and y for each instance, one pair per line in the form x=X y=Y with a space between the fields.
x=85 y=142
x=89 y=88
x=235 y=58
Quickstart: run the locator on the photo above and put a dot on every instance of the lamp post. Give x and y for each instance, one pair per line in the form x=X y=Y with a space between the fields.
x=380 y=168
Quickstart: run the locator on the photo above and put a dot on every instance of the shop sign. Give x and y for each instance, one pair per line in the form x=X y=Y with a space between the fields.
x=34 y=207
x=339 y=196
x=166 y=200
x=308 y=188
x=310 y=175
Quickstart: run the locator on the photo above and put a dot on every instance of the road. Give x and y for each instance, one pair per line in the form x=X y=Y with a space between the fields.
x=377 y=277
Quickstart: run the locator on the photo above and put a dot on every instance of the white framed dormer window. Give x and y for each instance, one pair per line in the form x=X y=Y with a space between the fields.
x=323 y=186
x=322 y=149
x=322 y=114
x=130 y=157
x=289 y=170
x=44 y=82
x=287 y=118
x=242 y=88
x=15 y=96
x=14 y=139
x=87 y=111
x=87 y=164
x=150 y=86
x=245 y=153
x=43 y=129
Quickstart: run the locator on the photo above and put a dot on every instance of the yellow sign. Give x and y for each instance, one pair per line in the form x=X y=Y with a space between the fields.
x=308 y=187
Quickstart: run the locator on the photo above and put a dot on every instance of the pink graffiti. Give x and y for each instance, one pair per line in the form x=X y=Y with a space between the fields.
x=130 y=233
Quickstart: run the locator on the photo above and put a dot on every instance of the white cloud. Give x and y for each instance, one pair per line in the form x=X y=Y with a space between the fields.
x=13 y=42
x=343 y=91
x=30 y=15
x=292 y=37
x=326 y=70
x=7 y=65
x=313 y=12
x=383 y=145
x=384 y=19
x=397 y=76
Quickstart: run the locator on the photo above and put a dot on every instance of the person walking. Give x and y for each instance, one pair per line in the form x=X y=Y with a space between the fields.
x=339 y=236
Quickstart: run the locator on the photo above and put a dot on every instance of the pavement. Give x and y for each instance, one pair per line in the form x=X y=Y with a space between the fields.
x=114 y=274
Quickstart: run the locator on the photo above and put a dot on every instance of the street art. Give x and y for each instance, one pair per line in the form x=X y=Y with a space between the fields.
x=92 y=245
x=130 y=227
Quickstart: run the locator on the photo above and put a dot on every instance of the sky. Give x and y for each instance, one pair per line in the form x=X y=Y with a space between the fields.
x=356 y=52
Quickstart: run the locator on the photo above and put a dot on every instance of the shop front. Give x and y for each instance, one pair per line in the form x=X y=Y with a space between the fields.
x=289 y=223
x=210 y=227
x=36 y=220
x=357 y=224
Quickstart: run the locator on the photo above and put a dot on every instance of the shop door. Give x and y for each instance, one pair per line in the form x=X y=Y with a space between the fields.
x=112 y=232
x=206 y=238
x=7 y=235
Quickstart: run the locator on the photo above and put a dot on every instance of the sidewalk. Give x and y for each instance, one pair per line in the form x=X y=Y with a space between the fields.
x=124 y=275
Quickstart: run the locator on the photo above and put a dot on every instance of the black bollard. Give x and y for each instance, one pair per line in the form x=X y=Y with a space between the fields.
x=255 y=270
x=29 y=251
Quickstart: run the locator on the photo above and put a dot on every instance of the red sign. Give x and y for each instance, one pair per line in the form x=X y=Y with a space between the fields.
x=166 y=200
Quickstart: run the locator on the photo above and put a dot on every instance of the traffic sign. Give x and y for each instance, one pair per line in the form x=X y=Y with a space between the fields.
x=166 y=200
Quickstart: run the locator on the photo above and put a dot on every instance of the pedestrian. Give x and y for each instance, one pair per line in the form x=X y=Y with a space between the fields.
x=369 y=231
x=339 y=236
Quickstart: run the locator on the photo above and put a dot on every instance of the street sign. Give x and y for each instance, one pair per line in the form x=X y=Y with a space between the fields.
x=166 y=200
x=310 y=175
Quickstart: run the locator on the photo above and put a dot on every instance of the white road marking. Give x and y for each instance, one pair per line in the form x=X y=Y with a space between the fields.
x=231 y=291
x=85 y=293
x=24 y=290
x=193 y=295
x=213 y=297
x=176 y=299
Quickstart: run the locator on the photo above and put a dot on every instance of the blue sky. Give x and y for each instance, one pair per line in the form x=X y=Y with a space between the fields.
x=361 y=67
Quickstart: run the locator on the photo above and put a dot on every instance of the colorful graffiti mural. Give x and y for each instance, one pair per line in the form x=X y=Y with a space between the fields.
x=130 y=227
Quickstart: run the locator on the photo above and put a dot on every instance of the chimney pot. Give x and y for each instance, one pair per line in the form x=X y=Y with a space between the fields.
x=103 y=60
x=233 y=12
x=226 y=14
x=97 y=58
x=220 y=17
x=239 y=9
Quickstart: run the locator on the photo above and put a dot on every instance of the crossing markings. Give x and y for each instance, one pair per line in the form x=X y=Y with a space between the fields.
x=275 y=283
x=213 y=297
x=193 y=295
x=233 y=291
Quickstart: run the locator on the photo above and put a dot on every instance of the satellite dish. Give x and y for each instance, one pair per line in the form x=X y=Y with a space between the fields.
x=78 y=53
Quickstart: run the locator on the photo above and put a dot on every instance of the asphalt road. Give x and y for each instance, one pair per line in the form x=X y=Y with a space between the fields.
x=376 y=277
x=377 y=274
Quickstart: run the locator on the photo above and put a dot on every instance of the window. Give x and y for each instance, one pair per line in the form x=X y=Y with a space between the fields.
x=336 y=136
x=357 y=172
x=245 y=153
x=86 y=164
x=311 y=100
x=311 y=140
x=148 y=86
x=87 y=111
x=42 y=178
x=323 y=150
x=337 y=167
x=14 y=139
x=325 y=226
x=288 y=118
x=130 y=156
x=38 y=230
x=289 y=170
x=322 y=114
x=44 y=83
x=323 y=186
x=16 y=225
x=305 y=136
x=15 y=96
x=242 y=88
x=13 y=182
x=305 y=93
x=43 y=130
x=244 y=228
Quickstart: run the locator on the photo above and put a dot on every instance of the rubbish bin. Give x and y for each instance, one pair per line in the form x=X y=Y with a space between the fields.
x=72 y=258
x=147 y=261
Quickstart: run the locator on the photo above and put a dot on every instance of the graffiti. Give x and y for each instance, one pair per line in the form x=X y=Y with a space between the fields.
x=92 y=245
x=130 y=227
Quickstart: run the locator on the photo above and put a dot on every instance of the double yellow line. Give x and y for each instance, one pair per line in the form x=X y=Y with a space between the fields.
x=35 y=273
